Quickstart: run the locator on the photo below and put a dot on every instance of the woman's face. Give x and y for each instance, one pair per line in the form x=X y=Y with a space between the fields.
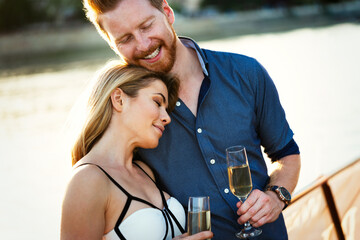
x=146 y=116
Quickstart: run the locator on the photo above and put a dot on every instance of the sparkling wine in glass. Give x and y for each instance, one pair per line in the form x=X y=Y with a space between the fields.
x=240 y=183
x=199 y=217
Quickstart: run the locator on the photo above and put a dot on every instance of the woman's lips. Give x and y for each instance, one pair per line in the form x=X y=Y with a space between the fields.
x=160 y=128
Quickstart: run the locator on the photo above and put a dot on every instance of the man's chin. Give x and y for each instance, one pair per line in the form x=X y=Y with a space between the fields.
x=156 y=67
x=162 y=65
x=161 y=69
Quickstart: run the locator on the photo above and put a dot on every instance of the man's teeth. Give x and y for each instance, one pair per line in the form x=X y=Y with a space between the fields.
x=154 y=54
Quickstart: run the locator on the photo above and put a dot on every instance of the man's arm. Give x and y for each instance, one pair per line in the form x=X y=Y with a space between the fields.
x=265 y=207
x=287 y=172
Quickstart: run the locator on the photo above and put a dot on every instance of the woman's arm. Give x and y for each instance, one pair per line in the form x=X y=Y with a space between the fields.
x=84 y=205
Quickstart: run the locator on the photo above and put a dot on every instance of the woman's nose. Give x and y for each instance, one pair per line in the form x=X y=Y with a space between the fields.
x=165 y=118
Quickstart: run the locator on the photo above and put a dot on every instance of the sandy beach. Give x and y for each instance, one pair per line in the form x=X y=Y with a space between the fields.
x=316 y=71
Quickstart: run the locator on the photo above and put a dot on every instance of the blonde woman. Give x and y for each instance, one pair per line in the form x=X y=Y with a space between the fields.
x=109 y=195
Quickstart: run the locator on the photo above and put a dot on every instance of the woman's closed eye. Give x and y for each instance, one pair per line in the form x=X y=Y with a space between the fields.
x=158 y=102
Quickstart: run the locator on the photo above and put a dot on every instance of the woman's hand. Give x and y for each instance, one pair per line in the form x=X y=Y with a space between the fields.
x=198 y=236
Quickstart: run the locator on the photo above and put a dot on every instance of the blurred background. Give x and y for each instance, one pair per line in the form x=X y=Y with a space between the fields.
x=49 y=52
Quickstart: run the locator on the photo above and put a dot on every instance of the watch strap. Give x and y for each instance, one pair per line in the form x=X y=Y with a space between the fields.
x=276 y=189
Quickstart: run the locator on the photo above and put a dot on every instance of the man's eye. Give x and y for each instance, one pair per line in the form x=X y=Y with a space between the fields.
x=147 y=26
x=125 y=40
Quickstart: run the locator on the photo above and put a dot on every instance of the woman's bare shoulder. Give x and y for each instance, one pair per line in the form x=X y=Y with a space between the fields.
x=88 y=181
x=84 y=203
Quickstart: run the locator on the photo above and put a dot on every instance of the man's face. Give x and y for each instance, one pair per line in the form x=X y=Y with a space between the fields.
x=142 y=34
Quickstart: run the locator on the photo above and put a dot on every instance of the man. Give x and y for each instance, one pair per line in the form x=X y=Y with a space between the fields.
x=225 y=99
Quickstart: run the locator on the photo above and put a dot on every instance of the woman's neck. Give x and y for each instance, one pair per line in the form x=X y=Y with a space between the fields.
x=113 y=149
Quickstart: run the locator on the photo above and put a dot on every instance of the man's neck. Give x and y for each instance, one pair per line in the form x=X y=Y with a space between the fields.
x=187 y=65
x=188 y=69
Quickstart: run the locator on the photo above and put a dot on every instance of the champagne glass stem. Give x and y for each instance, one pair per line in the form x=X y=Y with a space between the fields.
x=247 y=224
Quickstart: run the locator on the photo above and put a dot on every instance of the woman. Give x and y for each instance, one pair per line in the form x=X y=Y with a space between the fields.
x=109 y=196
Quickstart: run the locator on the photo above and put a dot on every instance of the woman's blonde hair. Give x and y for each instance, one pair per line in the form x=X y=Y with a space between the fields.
x=130 y=79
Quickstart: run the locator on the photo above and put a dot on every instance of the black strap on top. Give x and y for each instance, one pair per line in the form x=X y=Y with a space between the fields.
x=166 y=212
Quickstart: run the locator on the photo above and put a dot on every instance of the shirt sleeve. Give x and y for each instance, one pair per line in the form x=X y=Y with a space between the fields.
x=290 y=149
x=271 y=124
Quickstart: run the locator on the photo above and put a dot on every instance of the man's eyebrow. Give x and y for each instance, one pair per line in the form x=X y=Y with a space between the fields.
x=146 y=20
x=118 y=39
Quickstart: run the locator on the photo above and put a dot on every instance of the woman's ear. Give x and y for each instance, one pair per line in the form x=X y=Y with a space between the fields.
x=117 y=99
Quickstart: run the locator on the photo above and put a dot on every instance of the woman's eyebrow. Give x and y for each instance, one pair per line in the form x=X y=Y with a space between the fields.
x=163 y=97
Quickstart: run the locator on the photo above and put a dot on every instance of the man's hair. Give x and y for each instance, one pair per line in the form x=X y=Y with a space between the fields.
x=94 y=8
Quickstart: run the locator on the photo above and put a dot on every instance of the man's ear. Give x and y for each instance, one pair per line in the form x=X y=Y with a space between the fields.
x=117 y=97
x=169 y=13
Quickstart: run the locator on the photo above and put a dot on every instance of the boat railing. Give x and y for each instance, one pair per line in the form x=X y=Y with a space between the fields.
x=327 y=209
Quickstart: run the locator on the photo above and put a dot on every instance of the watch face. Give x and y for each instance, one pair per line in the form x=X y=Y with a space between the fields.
x=285 y=193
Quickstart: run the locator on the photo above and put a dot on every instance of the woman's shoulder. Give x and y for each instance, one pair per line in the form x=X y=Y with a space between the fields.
x=90 y=173
x=87 y=180
x=85 y=201
x=88 y=166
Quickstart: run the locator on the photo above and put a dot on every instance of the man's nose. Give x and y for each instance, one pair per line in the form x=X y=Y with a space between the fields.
x=142 y=42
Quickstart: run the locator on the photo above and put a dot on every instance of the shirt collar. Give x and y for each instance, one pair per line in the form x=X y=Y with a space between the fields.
x=189 y=43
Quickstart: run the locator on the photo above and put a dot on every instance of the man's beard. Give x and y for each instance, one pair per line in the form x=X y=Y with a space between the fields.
x=167 y=62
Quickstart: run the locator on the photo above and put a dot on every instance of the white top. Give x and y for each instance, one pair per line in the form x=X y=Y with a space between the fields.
x=149 y=223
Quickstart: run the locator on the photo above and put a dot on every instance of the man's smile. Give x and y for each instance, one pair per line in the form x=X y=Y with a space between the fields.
x=153 y=54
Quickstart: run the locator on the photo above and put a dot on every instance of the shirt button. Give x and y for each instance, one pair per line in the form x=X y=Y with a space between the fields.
x=178 y=104
x=199 y=130
x=226 y=190
x=212 y=161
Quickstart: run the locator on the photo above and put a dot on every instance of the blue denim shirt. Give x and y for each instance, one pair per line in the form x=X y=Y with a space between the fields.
x=240 y=107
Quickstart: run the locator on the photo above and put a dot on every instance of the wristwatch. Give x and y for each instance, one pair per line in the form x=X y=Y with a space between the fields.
x=282 y=193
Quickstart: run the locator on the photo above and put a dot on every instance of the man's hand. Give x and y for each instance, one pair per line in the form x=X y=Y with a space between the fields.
x=265 y=207
x=260 y=208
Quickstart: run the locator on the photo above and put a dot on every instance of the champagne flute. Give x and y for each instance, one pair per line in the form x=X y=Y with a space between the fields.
x=240 y=183
x=199 y=215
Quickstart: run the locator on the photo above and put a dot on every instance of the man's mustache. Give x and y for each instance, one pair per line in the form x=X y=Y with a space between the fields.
x=143 y=54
